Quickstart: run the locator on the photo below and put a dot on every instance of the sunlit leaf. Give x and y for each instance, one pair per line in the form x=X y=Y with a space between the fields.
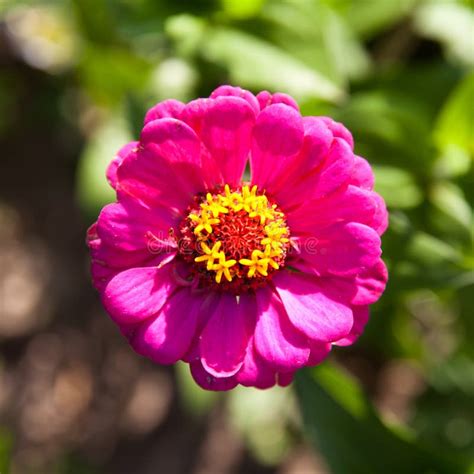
x=93 y=190
x=397 y=186
x=242 y=8
x=319 y=37
x=187 y=32
x=452 y=24
x=455 y=124
x=448 y=198
x=261 y=416
x=453 y=161
x=389 y=128
x=367 y=18
x=108 y=74
x=257 y=64
x=429 y=250
x=195 y=400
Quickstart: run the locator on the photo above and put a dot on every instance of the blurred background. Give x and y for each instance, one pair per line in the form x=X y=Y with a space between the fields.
x=76 y=77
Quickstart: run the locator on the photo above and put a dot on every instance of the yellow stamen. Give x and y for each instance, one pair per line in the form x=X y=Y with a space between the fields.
x=223 y=267
x=210 y=254
x=271 y=249
x=258 y=263
x=203 y=222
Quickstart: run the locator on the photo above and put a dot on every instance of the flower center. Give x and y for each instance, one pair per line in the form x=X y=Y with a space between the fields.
x=235 y=239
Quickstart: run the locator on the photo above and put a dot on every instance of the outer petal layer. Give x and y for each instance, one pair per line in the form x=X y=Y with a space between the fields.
x=276 y=339
x=138 y=293
x=166 y=337
x=341 y=249
x=226 y=129
x=225 y=337
x=277 y=138
x=111 y=172
x=361 y=317
x=170 y=108
x=314 y=312
x=166 y=171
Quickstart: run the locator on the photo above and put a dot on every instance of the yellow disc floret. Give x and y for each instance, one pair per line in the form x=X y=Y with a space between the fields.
x=238 y=234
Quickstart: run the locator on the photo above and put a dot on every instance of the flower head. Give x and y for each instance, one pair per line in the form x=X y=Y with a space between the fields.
x=247 y=281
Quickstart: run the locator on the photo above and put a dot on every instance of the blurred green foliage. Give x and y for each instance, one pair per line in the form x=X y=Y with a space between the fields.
x=340 y=420
x=399 y=74
x=5 y=450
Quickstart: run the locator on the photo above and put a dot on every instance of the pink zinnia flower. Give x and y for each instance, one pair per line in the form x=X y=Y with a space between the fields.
x=245 y=281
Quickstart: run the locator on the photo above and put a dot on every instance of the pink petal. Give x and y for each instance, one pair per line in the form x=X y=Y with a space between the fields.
x=101 y=274
x=266 y=99
x=371 y=284
x=361 y=317
x=311 y=309
x=351 y=204
x=193 y=113
x=335 y=171
x=338 y=130
x=362 y=174
x=150 y=179
x=332 y=175
x=225 y=131
x=380 y=220
x=226 y=91
x=111 y=172
x=319 y=352
x=341 y=249
x=108 y=259
x=209 y=382
x=276 y=340
x=173 y=140
x=316 y=144
x=285 y=378
x=130 y=226
x=255 y=372
x=277 y=138
x=138 y=293
x=165 y=171
x=226 y=335
x=120 y=260
x=170 y=108
x=166 y=338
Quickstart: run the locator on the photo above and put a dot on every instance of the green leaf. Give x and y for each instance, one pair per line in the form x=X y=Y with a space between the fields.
x=195 y=400
x=5 y=451
x=319 y=37
x=187 y=32
x=255 y=63
x=112 y=72
x=93 y=189
x=452 y=24
x=386 y=126
x=367 y=18
x=449 y=199
x=429 y=250
x=397 y=187
x=346 y=429
x=242 y=9
x=99 y=27
x=261 y=417
x=342 y=44
x=455 y=123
